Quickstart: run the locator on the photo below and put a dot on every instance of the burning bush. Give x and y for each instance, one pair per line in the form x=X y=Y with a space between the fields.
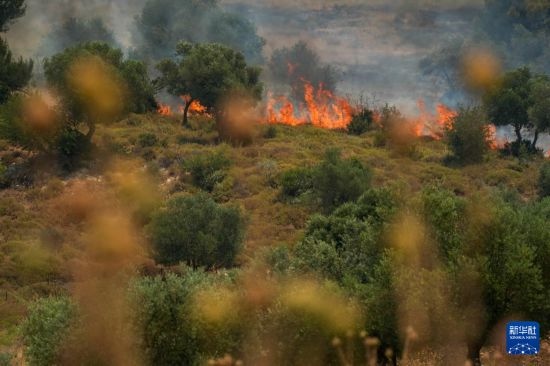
x=468 y=135
x=197 y=231
x=299 y=65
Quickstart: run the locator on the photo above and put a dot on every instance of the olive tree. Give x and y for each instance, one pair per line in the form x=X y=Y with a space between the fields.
x=209 y=73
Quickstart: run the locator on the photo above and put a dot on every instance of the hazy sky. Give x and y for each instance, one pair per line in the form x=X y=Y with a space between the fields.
x=376 y=44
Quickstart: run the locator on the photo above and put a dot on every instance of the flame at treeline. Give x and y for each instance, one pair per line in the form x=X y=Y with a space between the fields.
x=433 y=125
x=195 y=108
x=321 y=108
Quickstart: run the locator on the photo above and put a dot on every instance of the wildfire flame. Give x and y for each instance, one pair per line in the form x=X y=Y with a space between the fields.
x=494 y=141
x=195 y=108
x=164 y=110
x=322 y=109
x=433 y=125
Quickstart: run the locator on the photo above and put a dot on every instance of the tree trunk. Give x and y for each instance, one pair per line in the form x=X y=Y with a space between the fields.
x=535 y=138
x=185 y=112
x=517 y=129
x=91 y=130
x=474 y=350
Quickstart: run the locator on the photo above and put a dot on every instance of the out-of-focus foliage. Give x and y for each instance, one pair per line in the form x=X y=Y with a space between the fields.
x=208 y=170
x=15 y=74
x=482 y=263
x=544 y=180
x=29 y=122
x=164 y=23
x=468 y=135
x=73 y=31
x=167 y=323
x=9 y=11
x=46 y=329
x=299 y=64
x=210 y=73
x=516 y=31
x=97 y=85
x=197 y=231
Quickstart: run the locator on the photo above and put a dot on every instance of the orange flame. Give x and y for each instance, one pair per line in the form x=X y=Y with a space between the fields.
x=433 y=125
x=493 y=140
x=195 y=108
x=164 y=110
x=322 y=109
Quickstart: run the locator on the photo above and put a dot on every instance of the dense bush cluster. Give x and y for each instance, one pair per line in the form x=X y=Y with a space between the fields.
x=468 y=135
x=208 y=170
x=361 y=122
x=46 y=329
x=197 y=231
x=333 y=182
x=544 y=180
x=380 y=257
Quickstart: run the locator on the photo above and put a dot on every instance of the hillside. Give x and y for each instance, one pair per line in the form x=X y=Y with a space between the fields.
x=141 y=160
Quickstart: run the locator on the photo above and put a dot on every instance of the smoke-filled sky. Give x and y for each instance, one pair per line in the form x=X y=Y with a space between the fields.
x=376 y=44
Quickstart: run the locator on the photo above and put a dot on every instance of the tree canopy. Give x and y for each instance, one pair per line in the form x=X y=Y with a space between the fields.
x=9 y=11
x=197 y=231
x=209 y=72
x=299 y=64
x=97 y=85
x=73 y=31
x=507 y=103
x=164 y=23
x=15 y=74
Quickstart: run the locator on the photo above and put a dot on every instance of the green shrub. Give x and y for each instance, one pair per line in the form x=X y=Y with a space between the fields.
x=296 y=182
x=468 y=135
x=165 y=317
x=445 y=213
x=3 y=177
x=147 y=139
x=72 y=147
x=270 y=132
x=360 y=122
x=15 y=128
x=333 y=182
x=6 y=359
x=345 y=246
x=337 y=181
x=544 y=180
x=45 y=329
x=198 y=231
x=207 y=170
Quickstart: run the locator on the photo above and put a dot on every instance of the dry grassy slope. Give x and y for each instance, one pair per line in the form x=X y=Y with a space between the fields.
x=36 y=244
x=271 y=221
